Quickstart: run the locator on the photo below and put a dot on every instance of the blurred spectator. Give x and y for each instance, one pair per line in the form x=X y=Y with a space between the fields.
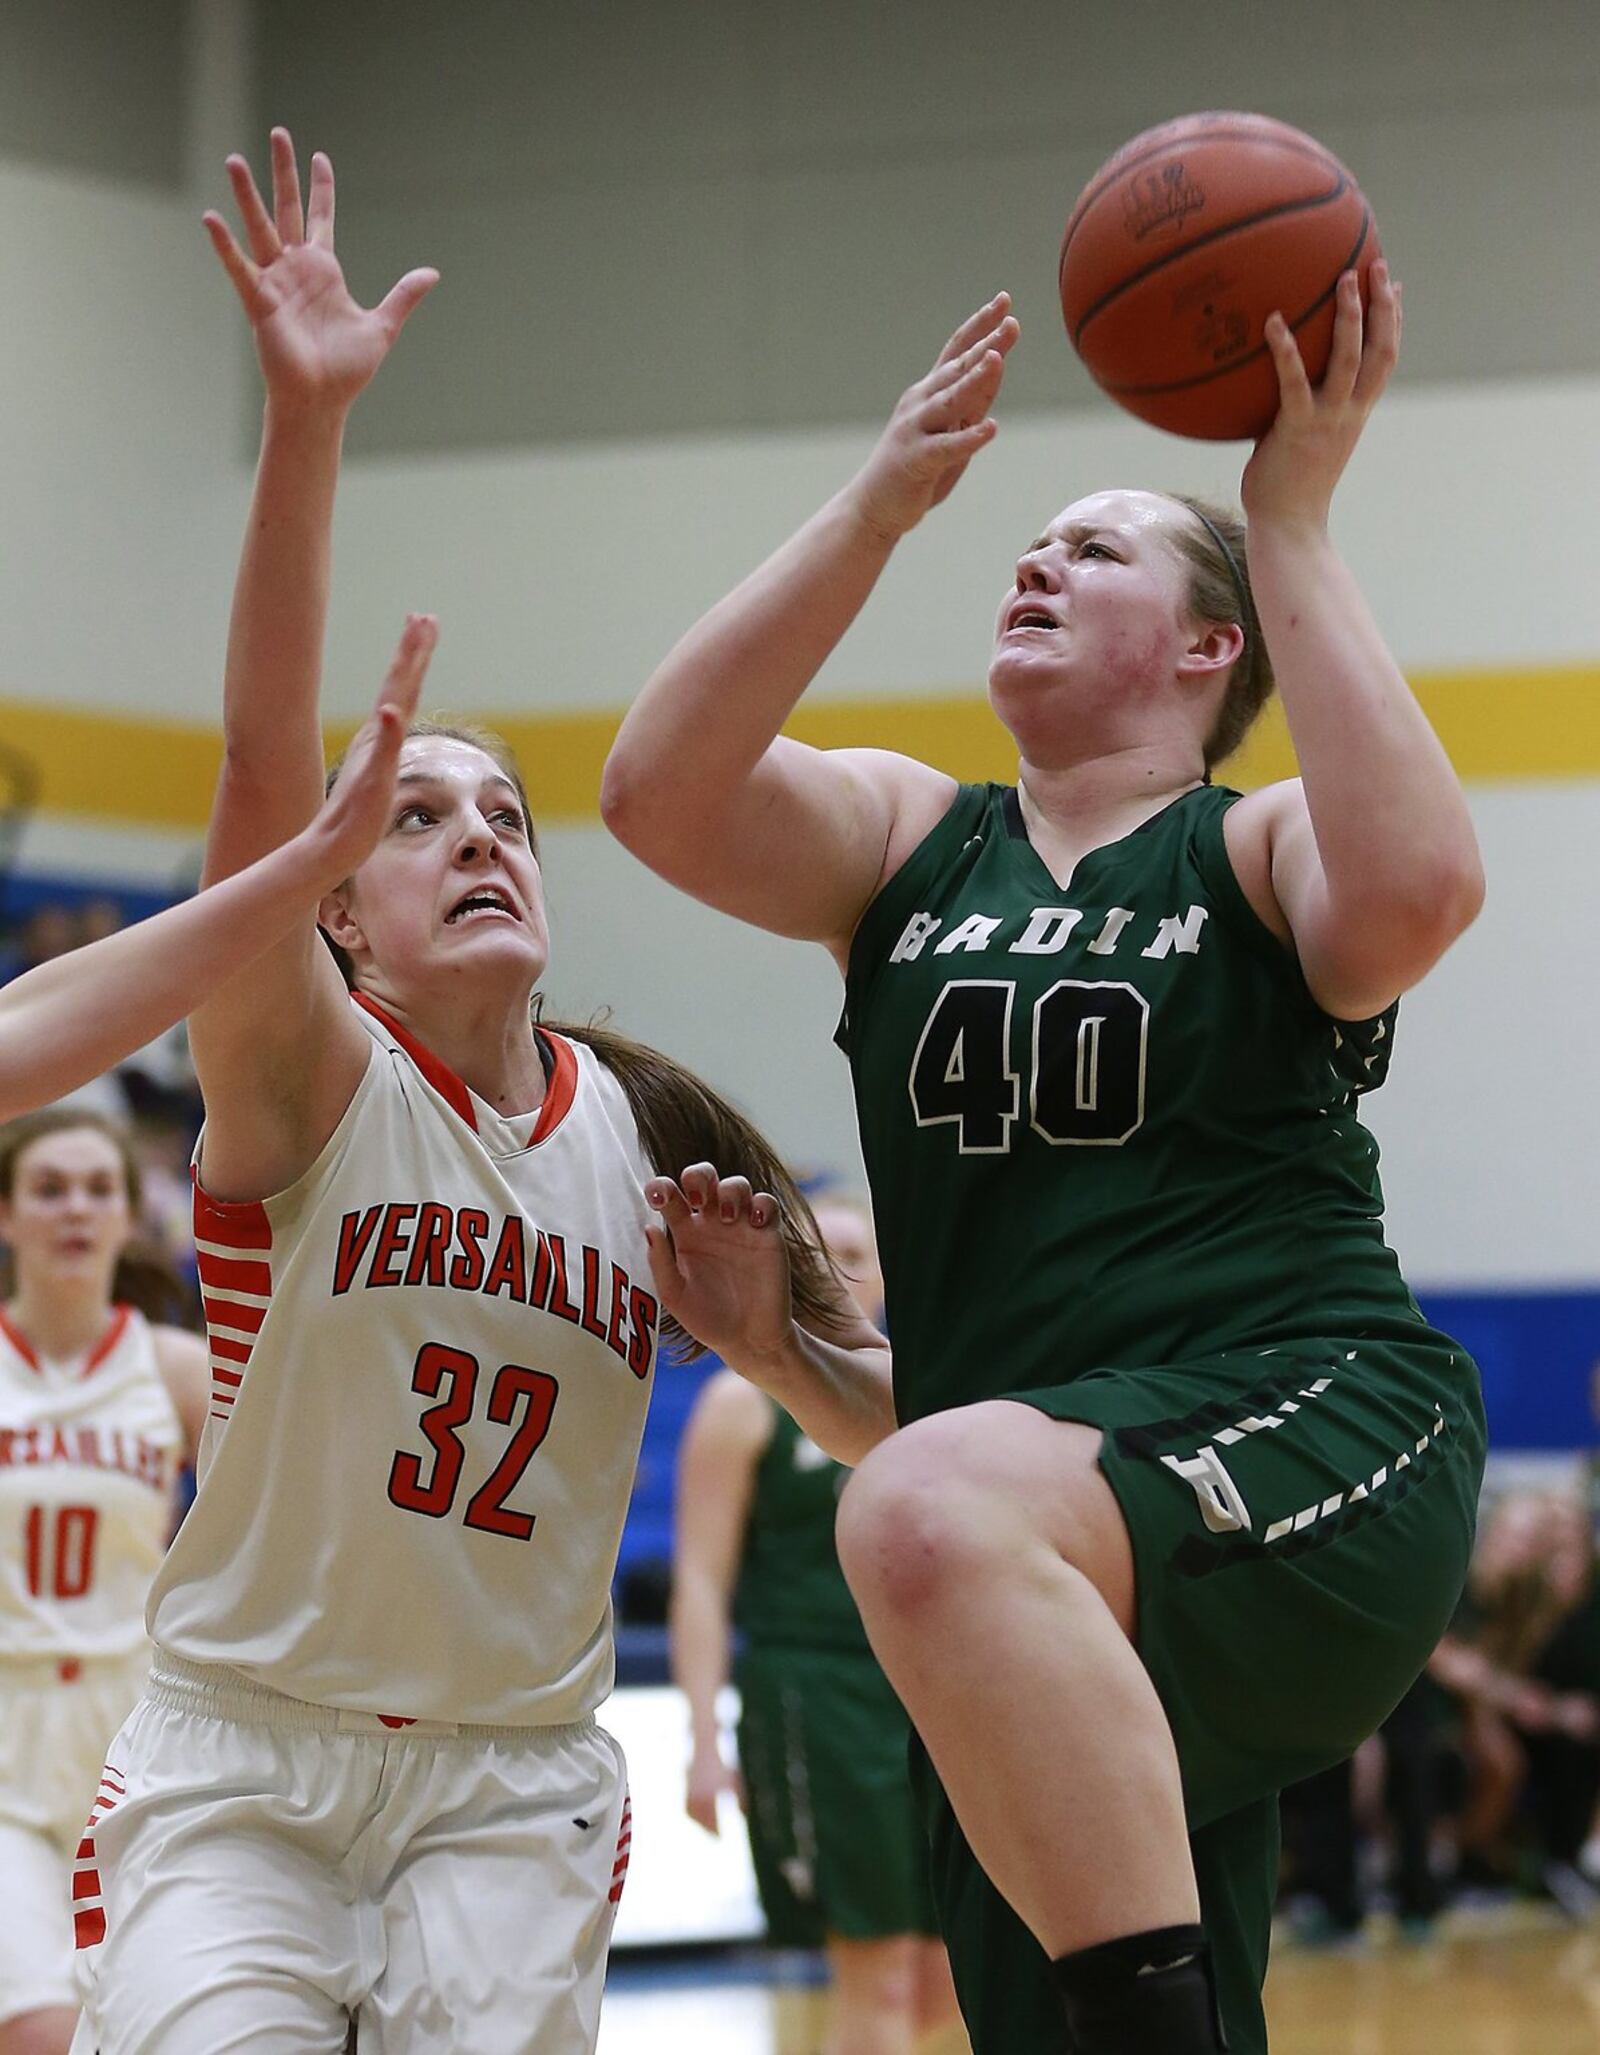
x=1523 y=1661
x=1511 y=1704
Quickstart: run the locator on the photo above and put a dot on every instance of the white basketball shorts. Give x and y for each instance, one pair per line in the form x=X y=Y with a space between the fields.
x=258 y=1872
x=55 y=1721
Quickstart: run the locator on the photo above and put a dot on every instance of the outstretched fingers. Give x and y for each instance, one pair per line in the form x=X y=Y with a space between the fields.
x=319 y=212
x=401 y=690
x=980 y=323
x=287 y=212
x=993 y=343
x=245 y=276
x=260 y=232
x=404 y=297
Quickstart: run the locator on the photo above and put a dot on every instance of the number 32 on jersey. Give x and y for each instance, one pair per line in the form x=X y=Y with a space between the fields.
x=451 y=1376
x=1084 y=1062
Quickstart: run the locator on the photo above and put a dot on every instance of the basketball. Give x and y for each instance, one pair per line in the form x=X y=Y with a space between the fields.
x=1184 y=242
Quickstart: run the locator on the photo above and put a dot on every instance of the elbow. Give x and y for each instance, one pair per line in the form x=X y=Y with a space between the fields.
x=1414 y=926
x=1436 y=899
x=624 y=799
x=1453 y=897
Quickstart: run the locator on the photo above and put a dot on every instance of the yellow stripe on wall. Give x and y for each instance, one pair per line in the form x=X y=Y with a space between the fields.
x=1513 y=724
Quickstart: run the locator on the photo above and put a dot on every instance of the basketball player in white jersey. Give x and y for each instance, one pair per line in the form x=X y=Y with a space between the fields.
x=366 y=1783
x=98 y=1411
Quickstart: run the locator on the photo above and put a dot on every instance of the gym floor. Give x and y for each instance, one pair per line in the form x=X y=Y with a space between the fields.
x=1506 y=1981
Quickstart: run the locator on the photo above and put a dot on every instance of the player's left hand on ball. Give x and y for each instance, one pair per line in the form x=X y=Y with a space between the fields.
x=1302 y=456
x=356 y=812
x=719 y=1263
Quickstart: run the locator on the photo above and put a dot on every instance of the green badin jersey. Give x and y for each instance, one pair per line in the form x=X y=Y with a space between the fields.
x=1107 y=1125
x=791 y=1591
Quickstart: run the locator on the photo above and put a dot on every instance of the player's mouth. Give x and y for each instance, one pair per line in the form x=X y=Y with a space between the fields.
x=483 y=902
x=1026 y=616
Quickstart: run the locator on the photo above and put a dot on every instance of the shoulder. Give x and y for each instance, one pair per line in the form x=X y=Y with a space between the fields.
x=181 y=1357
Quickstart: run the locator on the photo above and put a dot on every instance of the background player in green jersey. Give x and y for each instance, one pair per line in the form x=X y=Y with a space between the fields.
x=841 y=1860
x=1183 y=1485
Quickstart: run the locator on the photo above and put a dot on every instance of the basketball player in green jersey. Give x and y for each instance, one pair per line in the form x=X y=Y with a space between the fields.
x=840 y=1857
x=1183 y=1485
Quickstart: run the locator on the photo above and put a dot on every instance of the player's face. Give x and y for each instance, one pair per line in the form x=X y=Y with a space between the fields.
x=69 y=1213
x=1097 y=615
x=454 y=888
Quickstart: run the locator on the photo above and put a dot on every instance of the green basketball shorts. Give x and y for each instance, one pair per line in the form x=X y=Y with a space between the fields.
x=1302 y=1520
x=835 y=1833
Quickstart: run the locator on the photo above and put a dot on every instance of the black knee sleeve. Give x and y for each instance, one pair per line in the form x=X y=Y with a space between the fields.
x=1144 y=1994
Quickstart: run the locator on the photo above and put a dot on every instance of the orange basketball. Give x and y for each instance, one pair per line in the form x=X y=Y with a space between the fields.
x=1180 y=247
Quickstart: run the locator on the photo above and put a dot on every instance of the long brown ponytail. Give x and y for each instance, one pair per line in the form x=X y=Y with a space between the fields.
x=681 y=1120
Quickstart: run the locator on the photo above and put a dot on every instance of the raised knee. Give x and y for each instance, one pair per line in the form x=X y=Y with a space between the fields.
x=909 y=1522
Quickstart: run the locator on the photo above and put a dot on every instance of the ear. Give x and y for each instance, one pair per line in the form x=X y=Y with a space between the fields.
x=337 y=917
x=1214 y=648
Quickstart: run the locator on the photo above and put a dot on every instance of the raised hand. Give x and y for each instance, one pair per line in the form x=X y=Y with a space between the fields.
x=939 y=425
x=719 y=1264
x=1299 y=461
x=356 y=812
x=317 y=347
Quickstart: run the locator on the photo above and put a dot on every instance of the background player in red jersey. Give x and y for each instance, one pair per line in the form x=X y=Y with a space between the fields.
x=98 y=1411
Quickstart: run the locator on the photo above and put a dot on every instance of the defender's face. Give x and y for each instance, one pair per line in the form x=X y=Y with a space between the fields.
x=69 y=1214
x=454 y=888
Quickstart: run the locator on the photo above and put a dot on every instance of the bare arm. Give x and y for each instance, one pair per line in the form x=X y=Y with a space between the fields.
x=72 y=1018
x=720 y=1269
x=269 y=1111
x=701 y=786
x=185 y=1365
x=717 y=1460
x=1371 y=856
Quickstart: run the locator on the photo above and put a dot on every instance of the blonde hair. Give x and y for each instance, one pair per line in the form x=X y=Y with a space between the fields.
x=1214 y=545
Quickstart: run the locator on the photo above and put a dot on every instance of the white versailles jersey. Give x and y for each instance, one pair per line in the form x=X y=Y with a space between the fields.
x=89 y=1451
x=431 y=1362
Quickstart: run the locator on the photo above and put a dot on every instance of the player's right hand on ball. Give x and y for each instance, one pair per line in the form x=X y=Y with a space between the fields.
x=719 y=1264
x=939 y=426
x=356 y=812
